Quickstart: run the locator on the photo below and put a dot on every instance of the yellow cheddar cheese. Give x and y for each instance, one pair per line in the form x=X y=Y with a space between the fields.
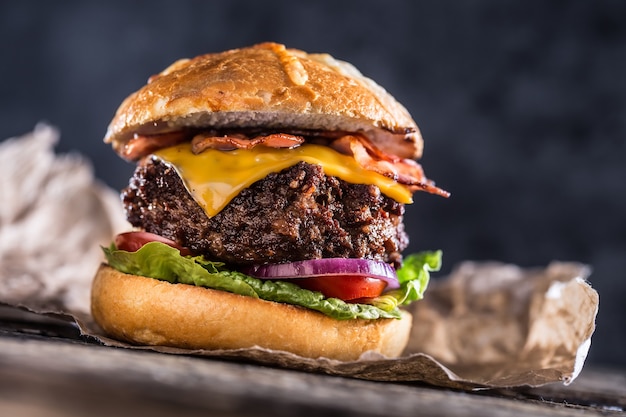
x=215 y=177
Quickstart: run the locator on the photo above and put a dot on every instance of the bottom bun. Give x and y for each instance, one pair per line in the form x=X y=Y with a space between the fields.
x=151 y=312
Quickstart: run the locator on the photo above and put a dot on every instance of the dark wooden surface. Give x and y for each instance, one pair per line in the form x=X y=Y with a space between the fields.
x=46 y=369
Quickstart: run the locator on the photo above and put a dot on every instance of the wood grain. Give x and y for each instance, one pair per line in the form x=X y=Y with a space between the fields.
x=45 y=375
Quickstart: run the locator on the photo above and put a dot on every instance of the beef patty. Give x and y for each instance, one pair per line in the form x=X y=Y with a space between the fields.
x=296 y=214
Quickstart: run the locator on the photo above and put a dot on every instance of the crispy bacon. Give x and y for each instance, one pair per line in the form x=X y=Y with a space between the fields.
x=404 y=171
x=142 y=145
x=229 y=142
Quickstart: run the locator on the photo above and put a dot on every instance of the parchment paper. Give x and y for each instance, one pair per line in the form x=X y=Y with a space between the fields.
x=53 y=217
x=487 y=325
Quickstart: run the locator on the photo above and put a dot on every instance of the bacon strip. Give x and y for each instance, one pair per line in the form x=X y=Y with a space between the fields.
x=229 y=142
x=142 y=145
x=404 y=171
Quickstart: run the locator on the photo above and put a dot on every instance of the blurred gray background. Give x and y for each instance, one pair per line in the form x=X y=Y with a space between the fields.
x=522 y=106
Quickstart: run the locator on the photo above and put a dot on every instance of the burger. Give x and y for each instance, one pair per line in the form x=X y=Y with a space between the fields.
x=267 y=209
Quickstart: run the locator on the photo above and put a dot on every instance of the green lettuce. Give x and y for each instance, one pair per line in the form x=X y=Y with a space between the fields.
x=413 y=278
x=162 y=262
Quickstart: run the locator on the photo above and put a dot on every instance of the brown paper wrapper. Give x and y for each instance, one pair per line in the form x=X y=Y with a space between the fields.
x=487 y=325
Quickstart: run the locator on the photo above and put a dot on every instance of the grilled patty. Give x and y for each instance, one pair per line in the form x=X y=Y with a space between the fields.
x=296 y=214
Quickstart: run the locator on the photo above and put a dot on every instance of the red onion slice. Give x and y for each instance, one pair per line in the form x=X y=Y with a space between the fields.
x=327 y=267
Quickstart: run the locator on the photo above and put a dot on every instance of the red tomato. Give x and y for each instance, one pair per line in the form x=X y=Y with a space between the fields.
x=345 y=287
x=133 y=241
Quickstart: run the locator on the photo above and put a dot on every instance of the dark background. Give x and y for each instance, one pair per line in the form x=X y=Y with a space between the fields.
x=522 y=106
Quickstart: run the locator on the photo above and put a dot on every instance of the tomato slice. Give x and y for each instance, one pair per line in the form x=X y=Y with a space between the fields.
x=133 y=241
x=344 y=287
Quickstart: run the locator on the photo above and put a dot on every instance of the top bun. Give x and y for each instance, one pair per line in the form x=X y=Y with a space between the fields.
x=266 y=86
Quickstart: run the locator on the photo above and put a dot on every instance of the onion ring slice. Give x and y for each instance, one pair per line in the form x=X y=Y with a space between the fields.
x=327 y=267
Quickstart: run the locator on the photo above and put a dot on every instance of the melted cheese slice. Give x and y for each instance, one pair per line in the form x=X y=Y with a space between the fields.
x=215 y=177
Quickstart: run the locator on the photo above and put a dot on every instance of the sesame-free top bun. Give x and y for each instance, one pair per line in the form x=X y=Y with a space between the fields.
x=151 y=312
x=271 y=87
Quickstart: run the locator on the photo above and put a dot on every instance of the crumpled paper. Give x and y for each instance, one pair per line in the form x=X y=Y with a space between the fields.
x=487 y=325
x=501 y=325
x=53 y=217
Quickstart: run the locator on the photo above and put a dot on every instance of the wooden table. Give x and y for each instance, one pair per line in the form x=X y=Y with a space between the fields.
x=47 y=369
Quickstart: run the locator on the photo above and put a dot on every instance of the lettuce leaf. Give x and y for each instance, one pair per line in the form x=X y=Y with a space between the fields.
x=413 y=278
x=415 y=274
x=160 y=261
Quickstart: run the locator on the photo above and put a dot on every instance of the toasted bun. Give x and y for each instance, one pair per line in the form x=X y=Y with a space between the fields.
x=267 y=86
x=152 y=312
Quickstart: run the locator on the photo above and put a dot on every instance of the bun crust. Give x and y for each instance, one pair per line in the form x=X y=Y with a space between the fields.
x=152 y=312
x=267 y=86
